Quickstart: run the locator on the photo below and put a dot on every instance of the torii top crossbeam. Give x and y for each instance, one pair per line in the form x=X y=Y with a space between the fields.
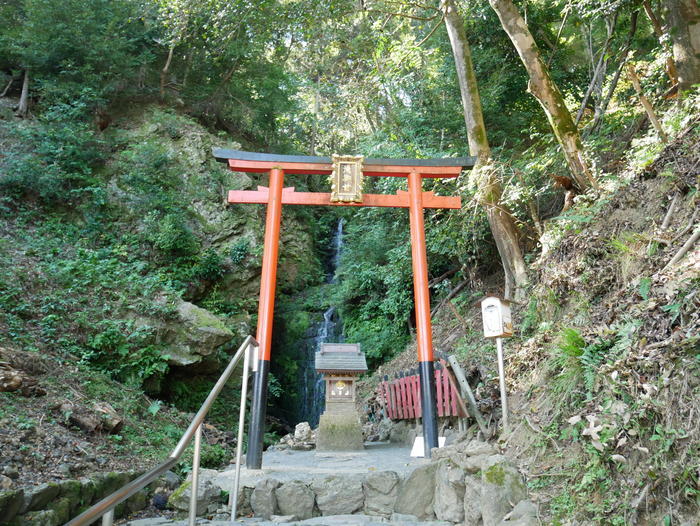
x=254 y=162
x=346 y=191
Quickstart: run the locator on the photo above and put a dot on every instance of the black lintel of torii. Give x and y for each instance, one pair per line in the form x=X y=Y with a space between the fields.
x=223 y=155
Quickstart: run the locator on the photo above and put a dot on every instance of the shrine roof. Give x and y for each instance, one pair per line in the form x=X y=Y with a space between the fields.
x=242 y=161
x=341 y=357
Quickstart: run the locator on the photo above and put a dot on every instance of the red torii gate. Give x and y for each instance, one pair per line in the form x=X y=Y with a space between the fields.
x=276 y=195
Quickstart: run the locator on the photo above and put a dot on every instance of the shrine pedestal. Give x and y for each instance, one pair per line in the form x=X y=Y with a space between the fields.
x=339 y=428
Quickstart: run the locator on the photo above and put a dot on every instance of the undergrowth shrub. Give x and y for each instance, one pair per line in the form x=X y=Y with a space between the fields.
x=52 y=159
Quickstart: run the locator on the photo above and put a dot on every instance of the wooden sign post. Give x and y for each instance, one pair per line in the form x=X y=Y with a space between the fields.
x=346 y=170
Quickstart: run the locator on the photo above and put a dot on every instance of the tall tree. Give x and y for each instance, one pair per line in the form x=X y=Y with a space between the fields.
x=485 y=172
x=544 y=89
x=684 y=19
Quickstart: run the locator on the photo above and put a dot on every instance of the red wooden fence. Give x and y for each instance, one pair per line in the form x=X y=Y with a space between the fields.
x=401 y=396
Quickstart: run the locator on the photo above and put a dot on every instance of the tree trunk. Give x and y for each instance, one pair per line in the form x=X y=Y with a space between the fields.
x=602 y=107
x=485 y=174
x=545 y=91
x=164 y=71
x=7 y=88
x=23 y=106
x=600 y=68
x=645 y=102
x=684 y=22
x=659 y=32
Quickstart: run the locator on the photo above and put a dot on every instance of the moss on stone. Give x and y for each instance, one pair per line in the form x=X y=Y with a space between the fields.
x=61 y=507
x=10 y=503
x=495 y=475
x=177 y=494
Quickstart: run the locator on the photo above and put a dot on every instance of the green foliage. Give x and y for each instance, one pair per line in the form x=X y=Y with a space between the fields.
x=54 y=158
x=172 y=236
x=94 y=45
x=123 y=351
x=575 y=363
x=214 y=456
x=239 y=251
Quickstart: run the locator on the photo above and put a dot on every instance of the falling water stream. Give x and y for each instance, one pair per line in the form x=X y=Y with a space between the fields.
x=311 y=386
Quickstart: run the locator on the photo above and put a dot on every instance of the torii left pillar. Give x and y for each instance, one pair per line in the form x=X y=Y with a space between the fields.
x=276 y=195
x=266 y=309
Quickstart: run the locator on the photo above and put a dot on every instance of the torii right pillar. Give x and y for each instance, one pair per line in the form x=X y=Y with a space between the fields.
x=424 y=329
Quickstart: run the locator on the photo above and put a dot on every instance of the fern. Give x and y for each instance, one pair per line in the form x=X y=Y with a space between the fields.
x=571 y=343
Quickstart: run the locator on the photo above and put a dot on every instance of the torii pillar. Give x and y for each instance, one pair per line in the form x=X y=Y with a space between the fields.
x=276 y=195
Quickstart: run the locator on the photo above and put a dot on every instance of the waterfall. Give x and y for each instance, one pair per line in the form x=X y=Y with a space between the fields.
x=312 y=389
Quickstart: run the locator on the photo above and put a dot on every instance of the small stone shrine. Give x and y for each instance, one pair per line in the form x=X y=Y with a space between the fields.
x=339 y=427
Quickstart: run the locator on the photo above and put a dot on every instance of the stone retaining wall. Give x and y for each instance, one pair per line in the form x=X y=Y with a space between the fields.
x=55 y=503
x=466 y=483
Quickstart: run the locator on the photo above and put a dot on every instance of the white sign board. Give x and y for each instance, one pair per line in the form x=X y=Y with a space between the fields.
x=496 y=317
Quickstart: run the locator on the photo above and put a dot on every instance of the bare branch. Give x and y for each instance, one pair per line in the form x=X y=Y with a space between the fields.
x=442 y=19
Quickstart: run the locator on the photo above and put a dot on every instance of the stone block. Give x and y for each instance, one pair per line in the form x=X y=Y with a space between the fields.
x=207 y=493
x=62 y=508
x=70 y=490
x=417 y=492
x=472 y=501
x=502 y=487
x=42 y=518
x=338 y=495
x=11 y=502
x=449 y=492
x=380 y=490
x=263 y=499
x=295 y=498
x=137 y=502
x=38 y=497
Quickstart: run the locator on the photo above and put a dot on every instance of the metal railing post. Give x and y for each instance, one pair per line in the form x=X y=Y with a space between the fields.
x=194 y=489
x=105 y=507
x=250 y=357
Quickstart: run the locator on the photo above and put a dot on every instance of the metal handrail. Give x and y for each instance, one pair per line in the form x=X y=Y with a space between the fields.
x=105 y=507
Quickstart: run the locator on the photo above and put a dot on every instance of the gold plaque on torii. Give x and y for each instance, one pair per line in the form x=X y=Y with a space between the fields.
x=346 y=179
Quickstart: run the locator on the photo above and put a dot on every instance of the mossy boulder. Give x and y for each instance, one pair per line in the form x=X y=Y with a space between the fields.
x=11 y=503
x=42 y=518
x=62 y=509
x=37 y=498
x=190 y=336
x=502 y=487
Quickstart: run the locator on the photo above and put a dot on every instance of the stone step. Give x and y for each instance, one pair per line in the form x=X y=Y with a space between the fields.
x=331 y=520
